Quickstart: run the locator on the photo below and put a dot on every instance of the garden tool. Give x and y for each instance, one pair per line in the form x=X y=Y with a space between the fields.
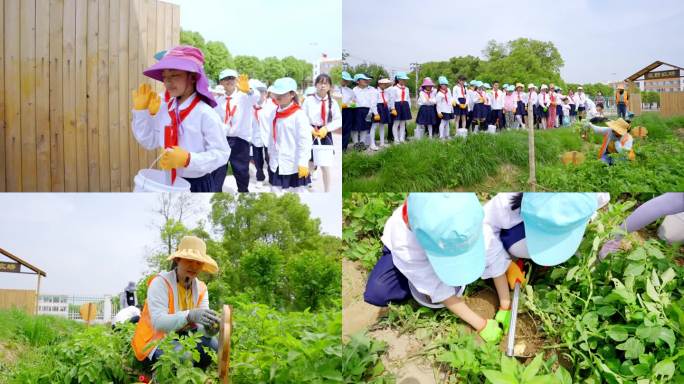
x=514 y=272
x=224 y=344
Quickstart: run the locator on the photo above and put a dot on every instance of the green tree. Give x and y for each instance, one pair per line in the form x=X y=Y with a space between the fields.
x=261 y=273
x=313 y=281
x=249 y=65
x=272 y=69
x=216 y=59
x=336 y=74
x=192 y=38
x=376 y=71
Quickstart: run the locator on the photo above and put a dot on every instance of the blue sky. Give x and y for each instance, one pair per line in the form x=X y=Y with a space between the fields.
x=94 y=243
x=301 y=28
x=600 y=41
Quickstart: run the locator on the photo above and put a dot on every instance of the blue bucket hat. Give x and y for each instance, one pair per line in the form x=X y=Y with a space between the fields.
x=479 y=84
x=486 y=85
x=555 y=224
x=448 y=227
x=401 y=76
x=442 y=80
x=346 y=76
x=283 y=85
x=360 y=76
x=473 y=82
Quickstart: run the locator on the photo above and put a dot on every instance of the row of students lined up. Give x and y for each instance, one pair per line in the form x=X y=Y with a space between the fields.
x=201 y=134
x=473 y=106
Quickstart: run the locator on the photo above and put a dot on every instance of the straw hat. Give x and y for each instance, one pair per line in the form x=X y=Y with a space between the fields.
x=521 y=85
x=530 y=86
x=194 y=248
x=621 y=87
x=384 y=81
x=620 y=126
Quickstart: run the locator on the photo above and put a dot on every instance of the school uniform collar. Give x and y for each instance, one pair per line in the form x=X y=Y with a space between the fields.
x=319 y=98
x=235 y=91
x=187 y=101
x=281 y=109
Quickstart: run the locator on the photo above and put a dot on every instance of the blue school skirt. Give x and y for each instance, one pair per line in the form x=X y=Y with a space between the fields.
x=512 y=235
x=543 y=113
x=573 y=112
x=203 y=184
x=360 y=123
x=383 y=111
x=457 y=109
x=520 y=109
x=427 y=115
x=287 y=181
x=403 y=110
x=447 y=116
x=479 y=111
x=559 y=111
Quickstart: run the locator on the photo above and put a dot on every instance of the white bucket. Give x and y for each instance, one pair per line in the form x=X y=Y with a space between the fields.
x=153 y=180
x=491 y=129
x=461 y=132
x=323 y=155
x=672 y=228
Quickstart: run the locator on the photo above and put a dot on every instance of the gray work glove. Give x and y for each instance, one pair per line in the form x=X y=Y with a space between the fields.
x=206 y=317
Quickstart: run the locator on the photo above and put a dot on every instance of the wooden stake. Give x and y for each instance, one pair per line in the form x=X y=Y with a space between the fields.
x=530 y=144
x=224 y=344
x=37 y=294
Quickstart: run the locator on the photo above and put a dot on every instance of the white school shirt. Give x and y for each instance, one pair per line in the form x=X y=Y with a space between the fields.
x=532 y=98
x=470 y=99
x=544 y=100
x=410 y=259
x=348 y=96
x=460 y=92
x=240 y=123
x=395 y=95
x=264 y=126
x=366 y=98
x=200 y=133
x=580 y=99
x=497 y=99
x=444 y=100
x=384 y=93
x=312 y=108
x=426 y=98
x=292 y=148
x=520 y=96
x=571 y=99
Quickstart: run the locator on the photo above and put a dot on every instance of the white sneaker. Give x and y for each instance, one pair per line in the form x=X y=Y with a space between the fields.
x=373 y=148
x=259 y=184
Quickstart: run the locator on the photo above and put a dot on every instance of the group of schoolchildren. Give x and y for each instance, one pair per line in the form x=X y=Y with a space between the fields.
x=204 y=130
x=473 y=106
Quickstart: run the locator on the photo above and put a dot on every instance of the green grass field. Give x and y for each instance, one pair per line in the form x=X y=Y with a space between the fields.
x=499 y=162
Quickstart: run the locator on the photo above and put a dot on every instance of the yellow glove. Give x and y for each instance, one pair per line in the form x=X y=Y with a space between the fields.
x=440 y=115
x=155 y=103
x=303 y=171
x=514 y=274
x=394 y=112
x=323 y=132
x=141 y=97
x=376 y=117
x=343 y=105
x=463 y=106
x=175 y=157
x=243 y=83
x=453 y=103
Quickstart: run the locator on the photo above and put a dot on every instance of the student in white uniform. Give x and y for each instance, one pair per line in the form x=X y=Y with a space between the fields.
x=400 y=100
x=433 y=248
x=580 y=102
x=445 y=107
x=383 y=108
x=460 y=103
x=366 y=112
x=348 y=106
x=325 y=118
x=236 y=112
x=259 y=134
x=427 y=110
x=520 y=100
x=544 y=105
x=289 y=145
x=496 y=116
x=186 y=125
x=533 y=102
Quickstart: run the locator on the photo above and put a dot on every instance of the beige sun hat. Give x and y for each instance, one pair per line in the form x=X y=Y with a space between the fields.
x=194 y=248
x=384 y=81
x=620 y=126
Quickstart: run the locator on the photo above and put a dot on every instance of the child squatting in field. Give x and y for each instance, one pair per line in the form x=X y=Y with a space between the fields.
x=437 y=243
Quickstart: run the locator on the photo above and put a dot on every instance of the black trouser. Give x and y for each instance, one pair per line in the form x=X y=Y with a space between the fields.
x=347 y=124
x=259 y=154
x=239 y=162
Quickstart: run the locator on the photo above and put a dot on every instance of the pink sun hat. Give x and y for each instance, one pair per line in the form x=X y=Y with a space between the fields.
x=184 y=58
x=427 y=82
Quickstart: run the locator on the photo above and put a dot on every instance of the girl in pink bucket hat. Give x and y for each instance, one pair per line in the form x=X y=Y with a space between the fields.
x=427 y=110
x=186 y=125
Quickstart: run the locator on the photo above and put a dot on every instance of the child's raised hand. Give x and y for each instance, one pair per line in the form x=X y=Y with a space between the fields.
x=154 y=103
x=243 y=83
x=141 y=97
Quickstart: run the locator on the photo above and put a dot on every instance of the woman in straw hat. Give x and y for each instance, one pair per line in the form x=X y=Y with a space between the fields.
x=177 y=301
x=616 y=139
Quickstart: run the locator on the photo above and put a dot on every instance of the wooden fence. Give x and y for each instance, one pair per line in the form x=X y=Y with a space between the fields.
x=18 y=298
x=671 y=103
x=67 y=69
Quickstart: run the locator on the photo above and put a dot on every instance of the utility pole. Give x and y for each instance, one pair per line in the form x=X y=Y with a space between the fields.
x=415 y=67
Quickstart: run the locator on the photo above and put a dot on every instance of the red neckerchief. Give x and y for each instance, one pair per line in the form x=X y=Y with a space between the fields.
x=404 y=212
x=284 y=113
x=496 y=93
x=229 y=112
x=427 y=95
x=446 y=95
x=171 y=131
x=323 y=111
x=544 y=93
x=463 y=93
x=382 y=94
x=484 y=100
x=553 y=99
x=167 y=96
x=403 y=93
x=256 y=111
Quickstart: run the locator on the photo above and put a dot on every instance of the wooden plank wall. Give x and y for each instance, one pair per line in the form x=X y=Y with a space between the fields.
x=671 y=103
x=67 y=70
x=18 y=298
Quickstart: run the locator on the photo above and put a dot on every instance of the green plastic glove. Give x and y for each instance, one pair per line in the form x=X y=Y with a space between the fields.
x=491 y=333
x=503 y=316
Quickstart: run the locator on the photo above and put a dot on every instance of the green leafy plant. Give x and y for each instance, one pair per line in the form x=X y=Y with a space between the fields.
x=512 y=372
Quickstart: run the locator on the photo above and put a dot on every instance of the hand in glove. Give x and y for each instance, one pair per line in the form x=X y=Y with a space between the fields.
x=453 y=103
x=503 y=316
x=141 y=97
x=323 y=132
x=376 y=117
x=343 y=105
x=514 y=274
x=491 y=332
x=440 y=115
x=155 y=103
x=394 y=112
x=243 y=83
x=203 y=316
x=175 y=157
x=303 y=171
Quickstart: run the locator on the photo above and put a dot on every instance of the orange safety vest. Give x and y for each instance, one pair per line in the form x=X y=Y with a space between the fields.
x=145 y=334
x=610 y=146
x=625 y=97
